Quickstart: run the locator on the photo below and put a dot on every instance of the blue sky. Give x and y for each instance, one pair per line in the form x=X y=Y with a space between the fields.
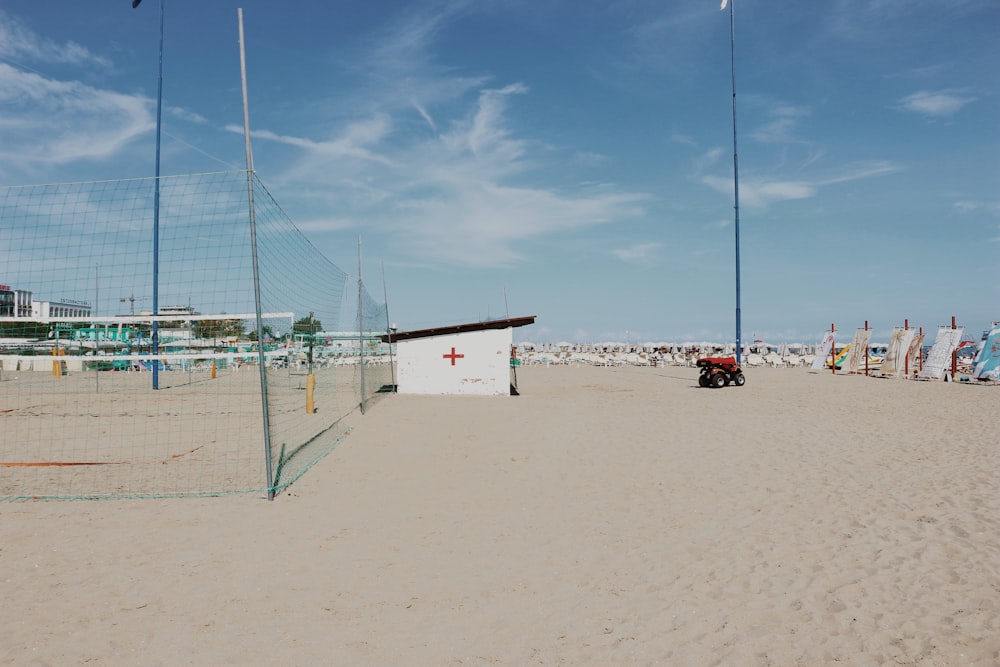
x=566 y=159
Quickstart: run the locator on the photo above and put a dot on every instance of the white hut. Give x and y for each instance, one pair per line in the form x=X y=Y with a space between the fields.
x=473 y=359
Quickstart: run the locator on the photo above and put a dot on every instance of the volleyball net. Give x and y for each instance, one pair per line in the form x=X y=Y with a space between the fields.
x=173 y=337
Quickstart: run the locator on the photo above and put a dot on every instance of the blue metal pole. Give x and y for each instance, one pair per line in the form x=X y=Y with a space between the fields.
x=736 y=176
x=156 y=215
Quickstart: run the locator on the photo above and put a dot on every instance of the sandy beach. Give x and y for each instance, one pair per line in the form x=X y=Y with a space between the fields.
x=607 y=516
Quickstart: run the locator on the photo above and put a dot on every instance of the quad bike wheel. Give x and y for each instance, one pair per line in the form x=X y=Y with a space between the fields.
x=739 y=379
x=719 y=380
x=703 y=380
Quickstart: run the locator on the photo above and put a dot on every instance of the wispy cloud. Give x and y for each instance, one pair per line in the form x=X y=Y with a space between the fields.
x=399 y=67
x=640 y=253
x=860 y=171
x=405 y=43
x=758 y=192
x=589 y=159
x=20 y=43
x=425 y=115
x=487 y=134
x=59 y=122
x=186 y=115
x=991 y=207
x=868 y=18
x=779 y=130
x=462 y=194
x=936 y=104
x=50 y=122
x=683 y=139
x=708 y=158
x=487 y=226
x=784 y=119
x=356 y=140
x=458 y=199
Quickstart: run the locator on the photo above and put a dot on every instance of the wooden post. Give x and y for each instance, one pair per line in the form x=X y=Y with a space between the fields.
x=954 y=353
x=906 y=355
x=833 y=350
x=310 y=392
x=867 y=348
x=920 y=353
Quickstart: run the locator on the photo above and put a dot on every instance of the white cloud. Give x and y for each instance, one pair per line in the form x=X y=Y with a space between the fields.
x=462 y=194
x=425 y=115
x=357 y=140
x=186 y=115
x=56 y=122
x=760 y=192
x=589 y=159
x=781 y=129
x=400 y=69
x=861 y=171
x=683 y=139
x=991 y=207
x=20 y=43
x=640 y=253
x=484 y=226
x=459 y=197
x=328 y=224
x=458 y=200
x=708 y=158
x=935 y=104
x=486 y=135
x=405 y=46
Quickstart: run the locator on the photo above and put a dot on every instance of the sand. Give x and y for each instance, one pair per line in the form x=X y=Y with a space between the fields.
x=605 y=516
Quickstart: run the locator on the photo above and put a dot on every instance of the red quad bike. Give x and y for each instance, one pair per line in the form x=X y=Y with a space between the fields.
x=717 y=372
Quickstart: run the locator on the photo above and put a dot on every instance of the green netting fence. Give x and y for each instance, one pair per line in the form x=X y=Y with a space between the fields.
x=142 y=355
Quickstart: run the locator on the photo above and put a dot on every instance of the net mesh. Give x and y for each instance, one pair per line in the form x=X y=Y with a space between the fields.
x=234 y=385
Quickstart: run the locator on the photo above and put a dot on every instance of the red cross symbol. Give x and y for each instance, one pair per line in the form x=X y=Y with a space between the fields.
x=453 y=356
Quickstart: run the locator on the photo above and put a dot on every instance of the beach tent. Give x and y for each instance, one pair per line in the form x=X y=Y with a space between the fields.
x=987 y=366
x=472 y=359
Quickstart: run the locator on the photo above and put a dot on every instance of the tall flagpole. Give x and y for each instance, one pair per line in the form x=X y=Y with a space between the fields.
x=156 y=216
x=155 y=347
x=736 y=172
